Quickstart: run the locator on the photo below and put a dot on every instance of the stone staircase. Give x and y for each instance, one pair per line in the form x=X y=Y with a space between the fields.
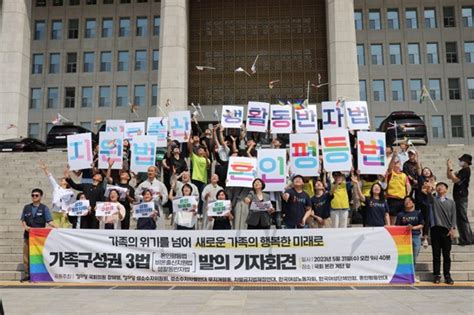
x=21 y=174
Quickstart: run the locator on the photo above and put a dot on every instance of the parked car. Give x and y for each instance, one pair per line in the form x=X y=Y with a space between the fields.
x=409 y=126
x=22 y=145
x=57 y=136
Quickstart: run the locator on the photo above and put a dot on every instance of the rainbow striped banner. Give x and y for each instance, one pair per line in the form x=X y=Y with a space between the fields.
x=38 y=271
x=405 y=271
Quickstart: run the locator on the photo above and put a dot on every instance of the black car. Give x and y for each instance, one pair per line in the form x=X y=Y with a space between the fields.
x=22 y=145
x=409 y=126
x=57 y=136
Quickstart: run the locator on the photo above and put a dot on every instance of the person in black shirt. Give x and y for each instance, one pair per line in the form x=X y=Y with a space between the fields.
x=410 y=168
x=376 y=207
x=414 y=220
x=296 y=203
x=460 y=195
x=321 y=204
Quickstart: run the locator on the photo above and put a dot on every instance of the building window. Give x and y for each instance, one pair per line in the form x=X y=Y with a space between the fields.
x=469 y=52
x=415 y=89
x=104 y=96
x=53 y=98
x=449 y=18
x=430 y=18
x=123 y=61
x=374 y=20
x=49 y=126
x=451 y=52
x=108 y=2
x=140 y=60
x=156 y=59
x=454 y=89
x=91 y=2
x=377 y=121
x=87 y=95
x=142 y=1
x=472 y=125
x=376 y=53
x=124 y=27
x=470 y=88
x=414 y=54
x=35 y=98
x=33 y=130
x=435 y=89
x=397 y=91
x=360 y=55
x=432 y=53
x=411 y=18
x=122 y=96
x=156 y=26
x=54 y=62
x=40 y=29
x=105 y=61
x=139 y=95
x=57 y=3
x=74 y=2
x=56 y=29
x=107 y=27
x=154 y=95
x=89 y=58
x=73 y=29
x=40 y=3
x=142 y=24
x=86 y=124
x=395 y=54
x=71 y=66
x=358 y=18
x=437 y=126
x=124 y=1
x=378 y=88
x=70 y=97
x=363 y=90
x=393 y=19
x=90 y=28
x=38 y=62
x=467 y=16
x=457 y=126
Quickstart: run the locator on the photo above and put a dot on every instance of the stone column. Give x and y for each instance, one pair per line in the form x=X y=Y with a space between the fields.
x=14 y=67
x=342 y=51
x=173 y=64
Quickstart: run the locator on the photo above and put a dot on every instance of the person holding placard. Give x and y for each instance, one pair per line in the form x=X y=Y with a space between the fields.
x=296 y=204
x=398 y=187
x=209 y=194
x=223 y=222
x=185 y=220
x=111 y=222
x=148 y=223
x=321 y=205
x=76 y=219
x=341 y=190
x=375 y=206
x=259 y=217
x=158 y=188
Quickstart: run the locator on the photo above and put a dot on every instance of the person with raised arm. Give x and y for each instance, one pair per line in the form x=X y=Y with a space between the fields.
x=398 y=187
x=296 y=204
x=376 y=207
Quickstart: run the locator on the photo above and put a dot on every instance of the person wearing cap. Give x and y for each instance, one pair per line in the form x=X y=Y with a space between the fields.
x=460 y=195
x=296 y=203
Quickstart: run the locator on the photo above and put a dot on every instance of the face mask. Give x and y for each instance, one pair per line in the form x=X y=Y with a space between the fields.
x=461 y=163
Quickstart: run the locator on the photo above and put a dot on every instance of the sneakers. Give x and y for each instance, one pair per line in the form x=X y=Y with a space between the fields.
x=425 y=243
x=170 y=216
x=437 y=279
x=448 y=280
x=417 y=280
x=25 y=279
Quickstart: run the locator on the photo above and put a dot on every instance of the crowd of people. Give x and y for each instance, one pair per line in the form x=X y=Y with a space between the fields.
x=407 y=195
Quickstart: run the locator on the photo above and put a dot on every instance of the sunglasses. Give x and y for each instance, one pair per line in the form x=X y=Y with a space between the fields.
x=35 y=195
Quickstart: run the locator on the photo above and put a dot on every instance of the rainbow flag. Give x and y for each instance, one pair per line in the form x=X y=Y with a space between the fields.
x=38 y=271
x=405 y=271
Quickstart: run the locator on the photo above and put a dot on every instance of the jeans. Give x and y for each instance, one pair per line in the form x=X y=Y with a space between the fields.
x=416 y=244
x=339 y=218
x=441 y=243
x=464 y=228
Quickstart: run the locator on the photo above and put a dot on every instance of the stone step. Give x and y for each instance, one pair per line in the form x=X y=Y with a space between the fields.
x=458 y=257
x=11 y=258
x=456 y=275
x=467 y=266
x=10 y=275
x=11 y=266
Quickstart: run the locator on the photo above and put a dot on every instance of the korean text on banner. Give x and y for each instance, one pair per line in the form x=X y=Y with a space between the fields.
x=104 y=209
x=336 y=150
x=333 y=115
x=304 y=154
x=218 y=208
x=79 y=208
x=115 y=125
x=158 y=127
x=281 y=117
x=143 y=210
x=257 y=116
x=241 y=172
x=306 y=120
x=180 y=125
x=371 y=153
x=143 y=153
x=232 y=116
x=357 y=115
x=111 y=147
x=133 y=129
x=79 y=151
x=185 y=203
x=272 y=168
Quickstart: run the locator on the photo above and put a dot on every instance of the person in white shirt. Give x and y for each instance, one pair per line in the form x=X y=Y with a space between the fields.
x=208 y=195
x=186 y=220
x=160 y=193
x=112 y=222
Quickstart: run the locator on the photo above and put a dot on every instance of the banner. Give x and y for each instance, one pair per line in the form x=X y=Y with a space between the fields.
x=306 y=120
x=272 y=168
x=357 y=115
x=241 y=172
x=180 y=125
x=110 y=147
x=304 y=154
x=357 y=255
x=158 y=127
x=143 y=210
x=232 y=116
x=281 y=119
x=371 y=153
x=79 y=208
x=185 y=203
x=115 y=125
x=257 y=116
x=143 y=153
x=333 y=115
x=105 y=209
x=336 y=150
x=79 y=151
x=218 y=208
x=133 y=129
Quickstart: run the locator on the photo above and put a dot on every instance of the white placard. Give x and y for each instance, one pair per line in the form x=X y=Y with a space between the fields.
x=79 y=209
x=232 y=116
x=281 y=119
x=306 y=120
x=333 y=115
x=121 y=190
x=272 y=168
x=357 y=115
x=79 y=151
x=158 y=127
x=143 y=210
x=115 y=125
x=304 y=154
x=336 y=150
x=241 y=172
x=105 y=209
x=111 y=147
x=371 y=153
x=143 y=153
x=185 y=203
x=133 y=129
x=218 y=208
x=261 y=205
x=257 y=116
x=180 y=125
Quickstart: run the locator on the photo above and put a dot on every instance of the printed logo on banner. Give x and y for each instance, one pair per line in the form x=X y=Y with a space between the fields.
x=306 y=120
x=79 y=208
x=304 y=154
x=158 y=127
x=257 y=116
x=333 y=115
x=115 y=125
x=79 y=151
x=336 y=150
x=357 y=115
x=134 y=129
x=272 y=168
x=371 y=153
x=143 y=153
x=218 y=208
x=110 y=147
x=232 y=116
x=281 y=119
x=180 y=125
x=143 y=210
x=241 y=171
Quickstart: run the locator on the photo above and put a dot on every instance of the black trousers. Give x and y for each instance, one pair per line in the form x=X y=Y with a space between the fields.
x=441 y=243
x=464 y=228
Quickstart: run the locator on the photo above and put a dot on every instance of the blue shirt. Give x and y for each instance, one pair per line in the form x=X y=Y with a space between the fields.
x=375 y=212
x=410 y=218
x=34 y=209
